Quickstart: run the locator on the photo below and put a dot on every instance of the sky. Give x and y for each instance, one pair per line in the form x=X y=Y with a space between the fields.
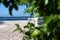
x=4 y=12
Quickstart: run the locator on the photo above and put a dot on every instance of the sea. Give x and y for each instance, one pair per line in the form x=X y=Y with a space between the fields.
x=15 y=18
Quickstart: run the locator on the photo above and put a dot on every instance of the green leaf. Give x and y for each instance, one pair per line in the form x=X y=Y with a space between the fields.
x=32 y=25
x=29 y=25
x=47 y=19
x=35 y=33
x=15 y=30
x=22 y=2
x=29 y=9
x=58 y=4
x=36 y=38
x=48 y=33
x=0 y=1
x=26 y=26
x=16 y=7
x=6 y=3
x=17 y=25
x=59 y=16
x=59 y=7
x=44 y=27
x=26 y=38
x=18 y=28
x=36 y=8
x=27 y=33
x=37 y=15
x=10 y=10
x=46 y=2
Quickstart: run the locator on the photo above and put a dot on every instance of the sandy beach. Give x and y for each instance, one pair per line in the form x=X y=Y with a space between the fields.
x=7 y=27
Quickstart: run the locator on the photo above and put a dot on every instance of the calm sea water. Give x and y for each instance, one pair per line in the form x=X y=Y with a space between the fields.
x=14 y=18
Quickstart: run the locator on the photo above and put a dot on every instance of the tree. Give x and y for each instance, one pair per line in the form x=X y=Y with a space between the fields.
x=49 y=9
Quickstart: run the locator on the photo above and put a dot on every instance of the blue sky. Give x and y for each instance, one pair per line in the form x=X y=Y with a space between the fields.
x=5 y=13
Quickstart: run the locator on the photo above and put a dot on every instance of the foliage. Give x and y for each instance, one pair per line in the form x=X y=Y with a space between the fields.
x=50 y=31
x=18 y=28
x=49 y=9
x=10 y=4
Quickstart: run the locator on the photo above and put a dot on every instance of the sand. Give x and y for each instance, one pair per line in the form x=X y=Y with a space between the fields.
x=7 y=27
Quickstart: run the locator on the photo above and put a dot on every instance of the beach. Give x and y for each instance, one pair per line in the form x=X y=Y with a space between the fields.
x=7 y=27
